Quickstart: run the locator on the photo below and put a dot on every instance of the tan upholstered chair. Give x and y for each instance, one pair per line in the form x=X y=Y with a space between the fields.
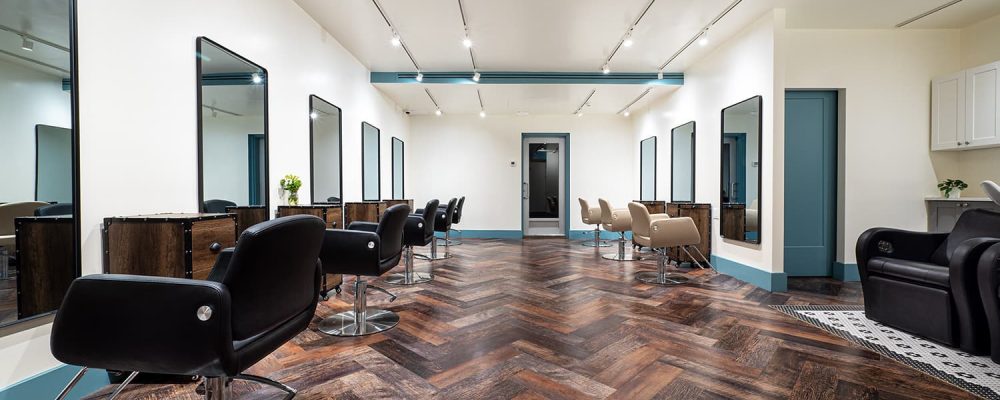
x=660 y=232
x=10 y=211
x=616 y=220
x=592 y=216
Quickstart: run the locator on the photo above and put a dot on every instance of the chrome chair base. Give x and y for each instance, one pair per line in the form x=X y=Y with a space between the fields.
x=344 y=324
x=434 y=251
x=621 y=257
x=220 y=387
x=76 y=379
x=657 y=278
x=413 y=278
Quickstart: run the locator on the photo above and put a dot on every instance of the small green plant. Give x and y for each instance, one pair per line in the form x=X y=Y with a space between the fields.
x=291 y=184
x=949 y=185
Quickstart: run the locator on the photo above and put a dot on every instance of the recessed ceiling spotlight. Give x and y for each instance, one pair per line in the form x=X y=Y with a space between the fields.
x=482 y=113
x=256 y=78
x=467 y=42
x=313 y=115
x=703 y=41
x=605 y=69
x=396 y=41
x=476 y=76
x=27 y=44
x=420 y=77
x=437 y=112
x=627 y=113
x=579 y=113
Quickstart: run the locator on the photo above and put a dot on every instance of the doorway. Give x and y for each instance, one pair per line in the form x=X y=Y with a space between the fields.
x=543 y=184
x=810 y=182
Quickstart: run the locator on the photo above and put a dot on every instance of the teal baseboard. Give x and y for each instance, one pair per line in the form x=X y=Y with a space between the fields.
x=846 y=272
x=47 y=384
x=589 y=234
x=770 y=281
x=485 y=234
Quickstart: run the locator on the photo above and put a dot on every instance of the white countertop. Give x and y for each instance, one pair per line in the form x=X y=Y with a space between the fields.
x=958 y=199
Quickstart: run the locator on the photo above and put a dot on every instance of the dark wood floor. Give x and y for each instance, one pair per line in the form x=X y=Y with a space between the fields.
x=549 y=319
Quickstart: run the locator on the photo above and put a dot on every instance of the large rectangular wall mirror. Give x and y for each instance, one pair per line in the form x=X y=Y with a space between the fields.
x=370 y=163
x=647 y=169
x=682 y=163
x=741 y=171
x=232 y=130
x=39 y=161
x=397 y=169
x=325 y=140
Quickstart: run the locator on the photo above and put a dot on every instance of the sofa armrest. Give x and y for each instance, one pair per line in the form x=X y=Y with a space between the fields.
x=144 y=323
x=895 y=243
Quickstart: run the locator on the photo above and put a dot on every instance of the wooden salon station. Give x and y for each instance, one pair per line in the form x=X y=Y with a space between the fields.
x=173 y=245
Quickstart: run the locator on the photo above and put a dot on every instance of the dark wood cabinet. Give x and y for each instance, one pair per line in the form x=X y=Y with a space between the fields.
x=734 y=221
x=332 y=214
x=46 y=263
x=369 y=211
x=392 y=202
x=173 y=245
x=701 y=214
x=654 y=206
x=247 y=216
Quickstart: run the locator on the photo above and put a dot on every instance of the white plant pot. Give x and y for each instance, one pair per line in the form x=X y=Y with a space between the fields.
x=954 y=194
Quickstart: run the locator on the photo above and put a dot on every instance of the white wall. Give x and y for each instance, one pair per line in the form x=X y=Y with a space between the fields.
x=741 y=68
x=464 y=155
x=27 y=98
x=225 y=162
x=885 y=158
x=137 y=69
x=980 y=45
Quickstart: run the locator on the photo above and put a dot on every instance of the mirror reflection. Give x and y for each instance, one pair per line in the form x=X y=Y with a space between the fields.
x=370 y=169
x=232 y=129
x=325 y=135
x=682 y=163
x=741 y=173
x=38 y=258
x=397 y=169
x=647 y=169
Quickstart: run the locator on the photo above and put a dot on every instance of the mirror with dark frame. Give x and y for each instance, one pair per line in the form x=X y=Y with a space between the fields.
x=682 y=163
x=370 y=163
x=39 y=167
x=647 y=169
x=741 y=171
x=397 y=169
x=232 y=130
x=325 y=140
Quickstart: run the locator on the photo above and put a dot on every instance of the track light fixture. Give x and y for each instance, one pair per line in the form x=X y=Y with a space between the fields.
x=437 y=112
x=605 y=69
x=659 y=74
x=701 y=36
x=579 y=113
x=628 y=42
x=476 y=76
x=703 y=41
x=420 y=76
x=27 y=44
x=256 y=78
x=482 y=113
x=466 y=41
x=626 y=113
x=313 y=115
x=396 y=41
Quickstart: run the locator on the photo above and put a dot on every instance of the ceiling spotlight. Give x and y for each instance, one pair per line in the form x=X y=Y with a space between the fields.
x=420 y=77
x=659 y=75
x=466 y=42
x=396 y=41
x=27 y=44
x=579 y=113
x=627 y=113
x=605 y=69
x=256 y=78
x=476 y=76
x=313 y=115
x=437 y=112
x=628 y=42
x=704 y=38
x=482 y=113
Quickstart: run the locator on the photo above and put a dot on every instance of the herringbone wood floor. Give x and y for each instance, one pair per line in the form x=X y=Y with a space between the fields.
x=547 y=318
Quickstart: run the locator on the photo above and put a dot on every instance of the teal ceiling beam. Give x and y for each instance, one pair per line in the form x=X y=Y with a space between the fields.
x=532 y=78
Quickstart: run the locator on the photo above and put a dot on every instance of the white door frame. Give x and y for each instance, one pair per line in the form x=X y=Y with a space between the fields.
x=549 y=226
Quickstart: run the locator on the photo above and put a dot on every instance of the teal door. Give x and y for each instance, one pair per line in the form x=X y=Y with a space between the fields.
x=810 y=182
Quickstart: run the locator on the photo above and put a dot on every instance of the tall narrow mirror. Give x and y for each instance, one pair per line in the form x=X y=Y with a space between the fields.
x=370 y=163
x=647 y=169
x=682 y=163
x=39 y=185
x=740 y=191
x=397 y=169
x=327 y=163
x=232 y=134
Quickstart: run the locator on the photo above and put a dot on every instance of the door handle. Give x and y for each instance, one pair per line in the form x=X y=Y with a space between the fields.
x=524 y=190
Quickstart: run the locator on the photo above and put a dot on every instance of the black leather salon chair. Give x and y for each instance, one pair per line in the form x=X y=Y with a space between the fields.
x=989 y=293
x=364 y=249
x=216 y=328
x=442 y=223
x=333 y=199
x=455 y=219
x=926 y=283
x=52 y=210
x=418 y=231
x=216 y=206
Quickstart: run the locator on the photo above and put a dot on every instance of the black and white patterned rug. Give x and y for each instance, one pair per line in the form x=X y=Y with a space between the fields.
x=976 y=374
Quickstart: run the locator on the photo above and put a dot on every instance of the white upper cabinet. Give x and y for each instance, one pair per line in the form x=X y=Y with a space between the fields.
x=965 y=109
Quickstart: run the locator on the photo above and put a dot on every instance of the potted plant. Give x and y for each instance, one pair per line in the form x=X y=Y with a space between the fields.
x=291 y=184
x=952 y=188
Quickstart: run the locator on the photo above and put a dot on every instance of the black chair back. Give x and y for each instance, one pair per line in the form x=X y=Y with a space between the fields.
x=443 y=222
x=390 y=231
x=287 y=246
x=216 y=206
x=333 y=199
x=971 y=224
x=429 y=211
x=458 y=211
x=54 y=209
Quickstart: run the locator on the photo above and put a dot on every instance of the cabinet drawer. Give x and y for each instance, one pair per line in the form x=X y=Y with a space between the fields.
x=203 y=235
x=335 y=218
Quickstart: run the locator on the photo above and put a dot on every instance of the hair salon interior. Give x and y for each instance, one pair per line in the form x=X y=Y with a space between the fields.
x=470 y=199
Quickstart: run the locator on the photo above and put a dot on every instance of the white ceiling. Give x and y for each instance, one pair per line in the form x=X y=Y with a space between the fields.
x=45 y=19
x=578 y=35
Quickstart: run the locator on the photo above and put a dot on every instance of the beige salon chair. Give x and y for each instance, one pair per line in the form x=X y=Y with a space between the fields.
x=10 y=211
x=617 y=220
x=592 y=216
x=661 y=233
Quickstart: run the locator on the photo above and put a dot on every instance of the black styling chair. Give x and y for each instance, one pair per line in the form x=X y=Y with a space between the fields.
x=215 y=328
x=455 y=219
x=333 y=199
x=216 y=206
x=989 y=293
x=53 y=210
x=419 y=231
x=926 y=283
x=442 y=223
x=364 y=249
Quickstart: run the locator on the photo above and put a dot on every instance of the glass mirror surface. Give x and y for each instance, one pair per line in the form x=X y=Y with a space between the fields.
x=682 y=163
x=741 y=173
x=39 y=230
x=397 y=169
x=647 y=169
x=544 y=186
x=232 y=127
x=370 y=162
x=327 y=163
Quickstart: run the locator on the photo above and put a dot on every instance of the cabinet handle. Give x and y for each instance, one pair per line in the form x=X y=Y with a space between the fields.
x=215 y=247
x=959 y=143
x=966 y=143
